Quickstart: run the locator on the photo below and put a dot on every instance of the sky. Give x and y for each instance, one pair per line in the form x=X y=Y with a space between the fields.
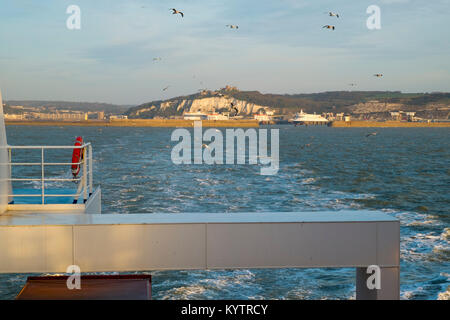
x=280 y=47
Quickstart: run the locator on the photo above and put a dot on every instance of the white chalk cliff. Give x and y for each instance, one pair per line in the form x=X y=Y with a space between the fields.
x=202 y=104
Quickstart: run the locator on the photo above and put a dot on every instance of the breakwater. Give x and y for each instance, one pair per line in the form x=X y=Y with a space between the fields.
x=388 y=124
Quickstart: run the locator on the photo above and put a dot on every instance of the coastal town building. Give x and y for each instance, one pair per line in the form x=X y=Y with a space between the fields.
x=218 y=116
x=66 y=116
x=13 y=116
x=401 y=115
x=261 y=117
x=118 y=117
x=197 y=115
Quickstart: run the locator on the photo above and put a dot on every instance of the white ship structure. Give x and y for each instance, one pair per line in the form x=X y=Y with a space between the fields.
x=303 y=118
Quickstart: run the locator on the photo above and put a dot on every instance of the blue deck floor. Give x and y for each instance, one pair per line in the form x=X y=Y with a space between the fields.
x=48 y=199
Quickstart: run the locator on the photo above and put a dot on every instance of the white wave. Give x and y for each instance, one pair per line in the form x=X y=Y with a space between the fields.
x=184 y=293
x=444 y=295
x=446 y=234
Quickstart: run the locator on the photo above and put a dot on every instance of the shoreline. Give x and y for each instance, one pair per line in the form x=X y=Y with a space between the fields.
x=167 y=123
x=138 y=123
x=388 y=124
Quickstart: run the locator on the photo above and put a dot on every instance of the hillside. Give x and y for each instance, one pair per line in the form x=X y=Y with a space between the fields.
x=68 y=105
x=249 y=102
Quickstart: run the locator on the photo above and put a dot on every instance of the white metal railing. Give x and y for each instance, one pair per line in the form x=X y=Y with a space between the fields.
x=86 y=163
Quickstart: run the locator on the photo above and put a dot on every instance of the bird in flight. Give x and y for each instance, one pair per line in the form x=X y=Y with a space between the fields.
x=231 y=26
x=371 y=134
x=378 y=75
x=329 y=27
x=352 y=84
x=332 y=14
x=165 y=88
x=236 y=111
x=175 y=11
x=157 y=59
x=306 y=145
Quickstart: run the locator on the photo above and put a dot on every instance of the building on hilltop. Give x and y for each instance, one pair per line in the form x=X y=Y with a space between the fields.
x=230 y=88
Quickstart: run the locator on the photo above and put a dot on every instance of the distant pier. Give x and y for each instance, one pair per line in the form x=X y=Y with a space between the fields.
x=312 y=123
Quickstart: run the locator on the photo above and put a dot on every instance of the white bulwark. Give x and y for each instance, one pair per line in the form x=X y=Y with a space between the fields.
x=5 y=184
x=138 y=242
x=47 y=235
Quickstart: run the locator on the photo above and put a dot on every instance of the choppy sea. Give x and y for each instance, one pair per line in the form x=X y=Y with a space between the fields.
x=404 y=172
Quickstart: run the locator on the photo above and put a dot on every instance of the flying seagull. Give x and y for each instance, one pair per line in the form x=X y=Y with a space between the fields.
x=157 y=59
x=352 y=84
x=231 y=26
x=306 y=145
x=236 y=111
x=329 y=27
x=332 y=14
x=165 y=88
x=371 y=134
x=175 y=11
x=378 y=75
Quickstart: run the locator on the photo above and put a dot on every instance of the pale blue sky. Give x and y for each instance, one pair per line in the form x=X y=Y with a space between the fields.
x=280 y=47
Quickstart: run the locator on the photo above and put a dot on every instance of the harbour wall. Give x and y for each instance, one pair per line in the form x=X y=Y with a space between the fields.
x=388 y=124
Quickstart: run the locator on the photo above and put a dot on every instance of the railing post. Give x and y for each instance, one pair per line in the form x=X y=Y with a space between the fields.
x=84 y=175
x=90 y=170
x=10 y=190
x=42 y=176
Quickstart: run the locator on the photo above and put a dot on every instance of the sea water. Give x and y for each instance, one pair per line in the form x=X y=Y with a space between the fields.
x=404 y=172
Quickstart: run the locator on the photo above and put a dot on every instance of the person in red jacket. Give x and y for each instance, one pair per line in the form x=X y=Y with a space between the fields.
x=77 y=162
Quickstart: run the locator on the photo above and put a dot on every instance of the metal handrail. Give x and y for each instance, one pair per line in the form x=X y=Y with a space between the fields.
x=45 y=179
x=87 y=164
x=38 y=163
x=47 y=195
x=50 y=147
